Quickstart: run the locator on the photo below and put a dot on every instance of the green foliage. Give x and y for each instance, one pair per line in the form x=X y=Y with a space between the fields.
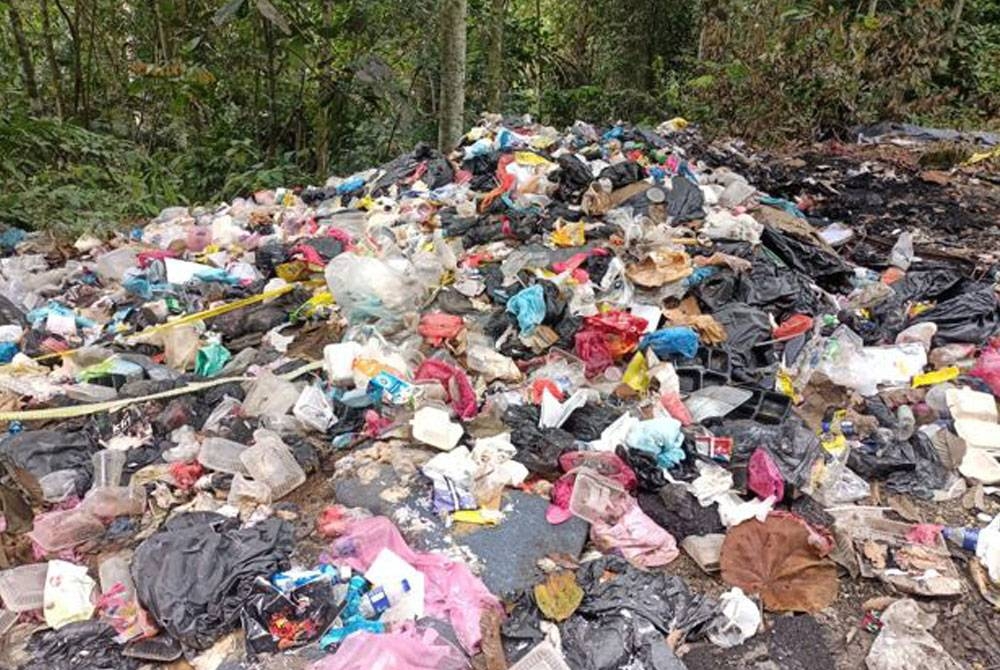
x=149 y=104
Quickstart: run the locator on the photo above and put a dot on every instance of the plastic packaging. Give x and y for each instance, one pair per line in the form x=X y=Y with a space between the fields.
x=243 y=490
x=314 y=409
x=433 y=426
x=528 y=306
x=987 y=368
x=22 y=588
x=270 y=461
x=366 y=287
x=676 y=341
x=68 y=594
x=108 y=466
x=114 y=570
x=902 y=252
x=597 y=498
x=741 y=619
x=210 y=360
x=62 y=529
x=111 y=267
x=270 y=396
x=114 y=501
x=222 y=455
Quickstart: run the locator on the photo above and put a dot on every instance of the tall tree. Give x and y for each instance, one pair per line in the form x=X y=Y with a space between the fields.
x=494 y=55
x=50 y=53
x=451 y=113
x=24 y=55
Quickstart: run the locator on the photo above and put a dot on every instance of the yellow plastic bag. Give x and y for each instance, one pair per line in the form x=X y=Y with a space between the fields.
x=636 y=374
x=936 y=377
x=569 y=235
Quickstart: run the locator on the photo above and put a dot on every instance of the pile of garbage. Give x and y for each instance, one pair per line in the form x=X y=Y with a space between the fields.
x=475 y=410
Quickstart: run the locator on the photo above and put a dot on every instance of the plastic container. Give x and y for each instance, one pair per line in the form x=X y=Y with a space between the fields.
x=243 y=490
x=222 y=455
x=63 y=529
x=115 y=569
x=108 y=466
x=270 y=396
x=22 y=588
x=596 y=498
x=542 y=657
x=269 y=461
x=58 y=485
x=113 y=501
x=433 y=426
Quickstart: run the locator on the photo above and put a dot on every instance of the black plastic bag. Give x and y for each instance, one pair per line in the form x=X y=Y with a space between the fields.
x=622 y=174
x=538 y=449
x=746 y=327
x=685 y=201
x=196 y=573
x=972 y=316
x=85 y=645
x=30 y=455
x=678 y=512
x=573 y=177
x=808 y=259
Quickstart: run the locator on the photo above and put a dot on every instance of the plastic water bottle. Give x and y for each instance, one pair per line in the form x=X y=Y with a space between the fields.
x=966 y=538
x=381 y=598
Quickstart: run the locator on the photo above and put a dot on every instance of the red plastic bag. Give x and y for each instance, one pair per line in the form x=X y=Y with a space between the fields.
x=987 y=367
x=592 y=347
x=622 y=330
x=675 y=406
x=436 y=327
x=456 y=384
x=764 y=477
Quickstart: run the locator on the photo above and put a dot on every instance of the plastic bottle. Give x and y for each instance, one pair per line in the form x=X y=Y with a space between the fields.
x=381 y=598
x=966 y=538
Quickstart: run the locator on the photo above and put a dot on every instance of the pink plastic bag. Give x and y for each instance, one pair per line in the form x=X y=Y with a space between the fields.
x=764 y=477
x=452 y=592
x=988 y=367
x=640 y=540
x=404 y=649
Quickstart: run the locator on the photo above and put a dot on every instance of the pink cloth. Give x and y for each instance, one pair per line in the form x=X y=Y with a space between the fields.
x=640 y=540
x=403 y=649
x=452 y=592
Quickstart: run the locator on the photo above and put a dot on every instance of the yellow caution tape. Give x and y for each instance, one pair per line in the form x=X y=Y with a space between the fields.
x=112 y=406
x=214 y=311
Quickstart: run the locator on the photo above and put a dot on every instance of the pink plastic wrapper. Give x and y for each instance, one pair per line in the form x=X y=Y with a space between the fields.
x=764 y=477
x=927 y=534
x=988 y=367
x=403 y=649
x=452 y=592
x=640 y=540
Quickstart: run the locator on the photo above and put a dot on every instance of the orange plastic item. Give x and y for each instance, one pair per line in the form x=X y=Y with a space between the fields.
x=436 y=327
x=539 y=386
x=794 y=325
x=892 y=275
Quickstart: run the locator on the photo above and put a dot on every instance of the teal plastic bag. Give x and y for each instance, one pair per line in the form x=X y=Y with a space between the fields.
x=211 y=359
x=529 y=308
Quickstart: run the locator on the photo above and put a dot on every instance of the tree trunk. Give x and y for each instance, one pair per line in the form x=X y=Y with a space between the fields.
x=451 y=120
x=24 y=54
x=956 y=20
x=73 y=24
x=50 y=54
x=494 y=55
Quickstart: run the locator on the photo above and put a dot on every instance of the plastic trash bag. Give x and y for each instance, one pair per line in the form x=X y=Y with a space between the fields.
x=661 y=437
x=408 y=648
x=452 y=591
x=972 y=316
x=685 y=201
x=905 y=643
x=528 y=305
x=88 y=645
x=675 y=341
x=764 y=477
x=197 y=594
x=370 y=288
x=741 y=619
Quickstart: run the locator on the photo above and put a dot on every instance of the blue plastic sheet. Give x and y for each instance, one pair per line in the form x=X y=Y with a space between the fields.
x=677 y=340
x=529 y=308
x=661 y=437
